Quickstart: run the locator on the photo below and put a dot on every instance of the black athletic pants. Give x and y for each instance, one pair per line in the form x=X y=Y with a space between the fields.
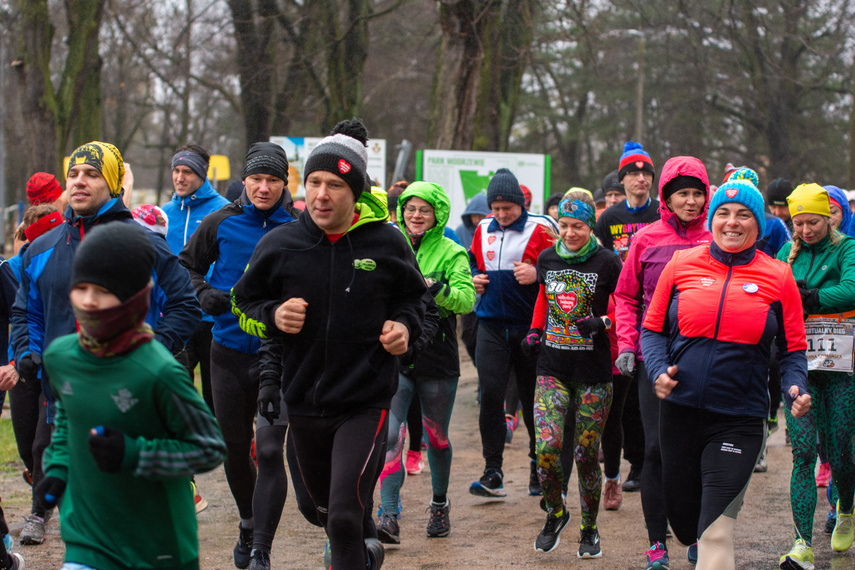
x=652 y=491
x=198 y=351
x=707 y=462
x=339 y=459
x=498 y=352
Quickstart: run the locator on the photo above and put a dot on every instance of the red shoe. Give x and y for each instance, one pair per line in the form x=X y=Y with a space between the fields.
x=414 y=463
x=823 y=476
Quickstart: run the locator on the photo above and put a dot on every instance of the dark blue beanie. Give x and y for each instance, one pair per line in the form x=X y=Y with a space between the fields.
x=504 y=186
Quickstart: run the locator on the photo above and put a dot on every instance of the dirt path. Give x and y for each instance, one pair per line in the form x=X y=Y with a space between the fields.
x=485 y=533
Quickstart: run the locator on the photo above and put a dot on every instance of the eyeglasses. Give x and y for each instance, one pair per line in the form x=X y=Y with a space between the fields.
x=424 y=210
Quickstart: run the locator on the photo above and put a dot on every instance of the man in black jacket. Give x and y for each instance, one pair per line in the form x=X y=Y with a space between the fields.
x=352 y=301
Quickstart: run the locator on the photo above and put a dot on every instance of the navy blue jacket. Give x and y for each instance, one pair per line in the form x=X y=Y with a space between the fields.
x=226 y=239
x=42 y=310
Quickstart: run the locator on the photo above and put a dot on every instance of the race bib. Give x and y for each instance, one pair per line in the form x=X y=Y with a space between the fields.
x=830 y=343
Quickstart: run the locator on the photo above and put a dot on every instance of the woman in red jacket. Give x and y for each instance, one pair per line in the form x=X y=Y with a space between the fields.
x=706 y=340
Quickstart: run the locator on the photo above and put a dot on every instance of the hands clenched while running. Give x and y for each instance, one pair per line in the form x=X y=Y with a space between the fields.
x=290 y=315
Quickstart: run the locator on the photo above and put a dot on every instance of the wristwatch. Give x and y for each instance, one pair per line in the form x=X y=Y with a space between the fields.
x=608 y=322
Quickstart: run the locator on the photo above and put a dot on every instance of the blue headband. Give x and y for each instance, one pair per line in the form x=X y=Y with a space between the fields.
x=192 y=161
x=577 y=209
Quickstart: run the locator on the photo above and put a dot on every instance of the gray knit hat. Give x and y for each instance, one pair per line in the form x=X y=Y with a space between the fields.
x=344 y=154
x=504 y=186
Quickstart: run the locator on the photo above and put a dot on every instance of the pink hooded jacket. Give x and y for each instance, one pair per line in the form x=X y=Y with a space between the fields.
x=651 y=249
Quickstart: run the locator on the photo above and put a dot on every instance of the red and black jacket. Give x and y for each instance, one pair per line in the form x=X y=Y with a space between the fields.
x=715 y=314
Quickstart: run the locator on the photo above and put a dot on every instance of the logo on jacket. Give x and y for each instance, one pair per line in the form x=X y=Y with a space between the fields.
x=490 y=240
x=750 y=288
x=66 y=389
x=707 y=281
x=567 y=301
x=365 y=264
x=124 y=400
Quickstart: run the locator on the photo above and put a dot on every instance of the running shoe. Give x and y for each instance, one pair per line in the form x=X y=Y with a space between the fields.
x=388 y=530
x=198 y=500
x=692 y=554
x=831 y=521
x=589 y=544
x=534 y=481
x=376 y=553
x=657 y=558
x=510 y=427
x=243 y=548
x=550 y=536
x=260 y=560
x=33 y=531
x=439 y=525
x=327 y=552
x=844 y=533
x=612 y=494
x=17 y=561
x=7 y=542
x=414 y=463
x=761 y=466
x=633 y=480
x=799 y=558
x=489 y=485
x=823 y=476
x=772 y=424
x=398 y=514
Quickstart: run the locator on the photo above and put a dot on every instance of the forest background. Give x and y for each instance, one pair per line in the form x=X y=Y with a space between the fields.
x=762 y=83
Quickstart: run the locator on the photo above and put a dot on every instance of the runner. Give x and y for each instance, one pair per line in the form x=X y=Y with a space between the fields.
x=433 y=373
x=823 y=263
x=574 y=389
x=684 y=189
x=711 y=374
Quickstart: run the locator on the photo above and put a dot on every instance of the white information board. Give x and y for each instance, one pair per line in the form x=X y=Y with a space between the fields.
x=463 y=174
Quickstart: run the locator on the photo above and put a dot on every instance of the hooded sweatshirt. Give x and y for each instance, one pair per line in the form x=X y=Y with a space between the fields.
x=335 y=364
x=447 y=263
x=840 y=197
x=651 y=249
x=466 y=230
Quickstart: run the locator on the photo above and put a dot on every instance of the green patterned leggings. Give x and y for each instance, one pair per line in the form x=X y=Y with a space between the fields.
x=832 y=415
x=584 y=409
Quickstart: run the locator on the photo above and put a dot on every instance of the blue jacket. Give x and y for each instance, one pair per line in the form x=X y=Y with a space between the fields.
x=185 y=214
x=226 y=240
x=42 y=310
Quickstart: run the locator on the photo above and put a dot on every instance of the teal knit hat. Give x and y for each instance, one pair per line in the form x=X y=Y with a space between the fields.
x=742 y=192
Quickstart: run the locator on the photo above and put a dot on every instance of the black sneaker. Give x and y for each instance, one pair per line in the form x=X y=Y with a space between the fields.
x=489 y=485
x=388 y=530
x=633 y=481
x=376 y=553
x=243 y=548
x=260 y=560
x=589 y=544
x=439 y=525
x=831 y=521
x=534 y=481
x=550 y=536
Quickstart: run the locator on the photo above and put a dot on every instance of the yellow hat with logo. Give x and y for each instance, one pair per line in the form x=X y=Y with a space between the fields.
x=809 y=199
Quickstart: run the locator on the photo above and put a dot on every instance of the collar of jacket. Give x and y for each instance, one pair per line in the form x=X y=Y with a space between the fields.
x=743 y=257
x=517 y=226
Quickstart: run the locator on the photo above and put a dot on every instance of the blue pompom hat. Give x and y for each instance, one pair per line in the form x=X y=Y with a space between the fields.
x=742 y=192
x=633 y=159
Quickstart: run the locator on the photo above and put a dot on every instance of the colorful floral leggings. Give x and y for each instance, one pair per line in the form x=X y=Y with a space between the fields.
x=584 y=409
x=832 y=416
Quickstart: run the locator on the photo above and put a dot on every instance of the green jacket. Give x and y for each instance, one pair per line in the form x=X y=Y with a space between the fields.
x=143 y=516
x=829 y=268
x=447 y=264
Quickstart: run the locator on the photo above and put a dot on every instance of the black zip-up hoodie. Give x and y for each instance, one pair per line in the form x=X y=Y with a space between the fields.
x=335 y=363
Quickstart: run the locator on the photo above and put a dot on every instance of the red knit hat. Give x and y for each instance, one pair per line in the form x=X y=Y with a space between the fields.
x=43 y=188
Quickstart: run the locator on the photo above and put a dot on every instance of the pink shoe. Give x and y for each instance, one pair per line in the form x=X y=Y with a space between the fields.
x=823 y=476
x=414 y=463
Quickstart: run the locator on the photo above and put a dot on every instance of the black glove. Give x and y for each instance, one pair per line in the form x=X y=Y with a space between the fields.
x=215 y=302
x=50 y=491
x=531 y=343
x=28 y=367
x=810 y=297
x=590 y=326
x=107 y=446
x=269 y=395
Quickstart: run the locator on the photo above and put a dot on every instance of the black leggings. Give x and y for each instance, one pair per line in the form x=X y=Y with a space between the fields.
x=234 y=382
x=414 y=424
x=707 y=462
x=198 y=351
x=339 y=460
x=652 y=491
x=499 y=352
x=613 y=432
x=271 y=488
x=32 y=432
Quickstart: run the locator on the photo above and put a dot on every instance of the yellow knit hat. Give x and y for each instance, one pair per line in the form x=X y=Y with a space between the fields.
x=106 y=158
x=809 y=199
x=577 y=189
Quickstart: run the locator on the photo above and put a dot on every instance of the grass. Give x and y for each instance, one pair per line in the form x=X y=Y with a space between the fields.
x=10 y=462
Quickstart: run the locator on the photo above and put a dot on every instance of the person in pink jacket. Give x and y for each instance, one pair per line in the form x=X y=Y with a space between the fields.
x=684 y=198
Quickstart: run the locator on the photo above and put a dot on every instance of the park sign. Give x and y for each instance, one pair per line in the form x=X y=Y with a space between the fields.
x=298 y=148
x=464 y=174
